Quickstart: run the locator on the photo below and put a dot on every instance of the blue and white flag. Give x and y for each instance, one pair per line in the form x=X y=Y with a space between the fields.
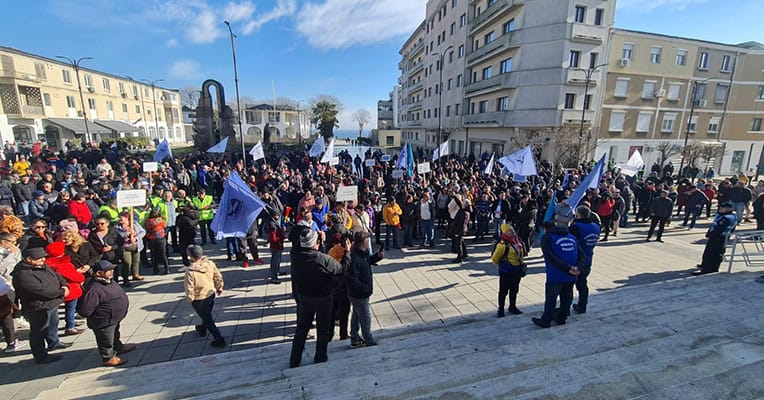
x=549 y=215
x=317 y=148
x=566 y=180
x=163 y=151
x=520 y=163
x=238 y=209
x=443 y=149
x=590 y=182
x=491 y=163
x=257 y=151
x=410 y=160
x=220 y=147
x=403 y=158
x=435 y=155
x=329 y=153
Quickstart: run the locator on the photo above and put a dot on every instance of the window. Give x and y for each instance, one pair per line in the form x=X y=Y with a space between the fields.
x=437 y=86
x=756 y=125
x=448 y=111
x=145 y=92
x=461 y=51
x=46 y=99
x=435 y=116
x=106 y=85
x=124 y=108
x=725 y=64
x=450 y=84
x=121 y=87
x=508 y=26
x=692 y=125
x=761 y=93
x=575 y=58
x=621 y=87
x=457 y=109
x=459 y=80
x=506 y=66
x=655 y=55
x=580 y=14
x=453 y=3
x=483 y=106
x=587 y=101
x=593 y=60
x=67 y=77
x=148 y=111
x=628 y=51
x=389 y=140
x=502 y=104
x=463 y=20
x=487 y=72
x=450 y=57
x=135 y=91
x=109 y=105
x=700 y=92
x=138 y=110
x=721 y=93
x=453 y=28
x=488 y=38
x=648 y=90
x=88 y=80
x=91 y=104
x=490 y=3
x=673 y=92
x=703 y=61
x=681 y=57
x=668 y=123
x=570 y=101
x=643 y=122
x=617 y=119
x=598 y=16
x=713 y=125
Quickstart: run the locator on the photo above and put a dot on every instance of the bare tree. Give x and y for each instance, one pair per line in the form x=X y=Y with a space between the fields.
x=666 y=150
x=189 y=96
x=692 y=152
x=362 y=116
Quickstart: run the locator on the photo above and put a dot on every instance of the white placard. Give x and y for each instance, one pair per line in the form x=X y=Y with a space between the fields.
x=423 y=168
x=370 y=163
x=347 y=193
x=131 y=198
x=150 y=166
x=397 y=174
x=334 y=161
x=386 y=158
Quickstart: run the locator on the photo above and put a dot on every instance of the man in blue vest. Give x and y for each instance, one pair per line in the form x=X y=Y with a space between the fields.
x=713 y=255
x=562 y=257
x=587 y=233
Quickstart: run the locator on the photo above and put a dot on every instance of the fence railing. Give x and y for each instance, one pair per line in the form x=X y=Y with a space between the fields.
x=746 y=245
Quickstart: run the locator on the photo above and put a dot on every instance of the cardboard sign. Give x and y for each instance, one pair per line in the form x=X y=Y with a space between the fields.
x=397 y=174
x=347 y=193
x=150 y=166
x=386 y=158
x=370 y=163
x=131 y=198
x=423 y=168
x=334 y=161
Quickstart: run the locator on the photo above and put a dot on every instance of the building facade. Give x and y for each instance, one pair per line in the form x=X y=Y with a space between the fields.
x=40 y=101
x=662 y=92
x=287 y=124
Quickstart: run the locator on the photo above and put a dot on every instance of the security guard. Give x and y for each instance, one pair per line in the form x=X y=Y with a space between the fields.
x=203 y=203
x=720 y=229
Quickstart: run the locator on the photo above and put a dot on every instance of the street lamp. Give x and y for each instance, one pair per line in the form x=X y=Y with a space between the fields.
x=589 y=72
x=441 y=56
x=76 y=65
x=154 y=100
x=236 y=82
x=143 y=107
x=689 y=121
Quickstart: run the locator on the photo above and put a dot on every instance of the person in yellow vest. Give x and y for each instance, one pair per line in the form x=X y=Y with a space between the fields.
x=21 y=166
x=341 y=211
x=156 y=198
x=168 y=208
x=392 y=214
x=110 y=211
x=203 y=203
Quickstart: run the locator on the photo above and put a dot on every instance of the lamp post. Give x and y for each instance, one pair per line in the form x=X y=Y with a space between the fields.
x=154 y=101
x=589 y=72
x=143 y=107
x=441 y=56
x=76 y=65
x=695 y=85
x=236 y=83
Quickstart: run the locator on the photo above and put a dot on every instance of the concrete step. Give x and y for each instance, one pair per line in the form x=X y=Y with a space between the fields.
x=629 y=334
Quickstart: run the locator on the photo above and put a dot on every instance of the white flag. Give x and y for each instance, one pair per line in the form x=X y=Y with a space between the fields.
x=220 y=147
x=329 y=153
x=634 y=164
x=435 y=155
x=317 y=148
x=257 y=151
x=489 y=167
x=443 y=150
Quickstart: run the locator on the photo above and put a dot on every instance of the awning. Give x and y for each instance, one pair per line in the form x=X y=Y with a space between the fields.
x=116 y=126
x=77 y=125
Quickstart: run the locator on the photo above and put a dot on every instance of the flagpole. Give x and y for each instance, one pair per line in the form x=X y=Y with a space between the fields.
x=238 y=103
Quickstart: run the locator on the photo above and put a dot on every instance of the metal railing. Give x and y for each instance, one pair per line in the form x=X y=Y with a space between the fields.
x=751 y=248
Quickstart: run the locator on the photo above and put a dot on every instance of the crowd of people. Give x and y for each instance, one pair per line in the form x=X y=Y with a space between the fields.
x=64 y=240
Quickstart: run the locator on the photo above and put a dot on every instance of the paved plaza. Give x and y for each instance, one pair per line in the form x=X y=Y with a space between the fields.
x=414 y=289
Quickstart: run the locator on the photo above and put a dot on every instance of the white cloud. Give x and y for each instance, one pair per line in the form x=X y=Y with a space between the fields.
x=646 y=6
x=235 y=12
x=336 y=24
x=284 y=8
x=172 y=42
x=205 y=27
x=185 y=69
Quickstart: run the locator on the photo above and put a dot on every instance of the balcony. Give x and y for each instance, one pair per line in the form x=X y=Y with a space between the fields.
x=498 y=7
x=416 y=68
x=505 y=41
x=384 y=115
x=587 y=33
x=574 y=117
x=414 y=123
x=577 y=77
x=416 y=49
x=490 y=119
x=503 y=81
x=32 y=111
x=417 y=105
x=417 y=87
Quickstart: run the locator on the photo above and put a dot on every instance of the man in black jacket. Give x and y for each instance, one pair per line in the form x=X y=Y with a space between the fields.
x=41 y=290
x=313 y=274
x=105 y=305
x=360 y=288
x=660 y=213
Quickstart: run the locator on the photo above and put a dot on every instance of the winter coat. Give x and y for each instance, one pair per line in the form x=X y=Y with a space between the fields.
x=38 y=288
x=360 y=279
x=64 y=267
x=85 y=255
x=202 y=280
x=313 y=273
x=103 y=304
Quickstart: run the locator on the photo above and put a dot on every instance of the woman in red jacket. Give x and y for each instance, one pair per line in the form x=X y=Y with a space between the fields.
x=80 y=210
x=605 y=211
x=64 y=267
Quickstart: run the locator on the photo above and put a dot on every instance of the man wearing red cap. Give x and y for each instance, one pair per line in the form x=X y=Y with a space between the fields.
x=63 y=266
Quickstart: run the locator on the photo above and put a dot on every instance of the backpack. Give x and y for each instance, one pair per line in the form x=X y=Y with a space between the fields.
x=523 y=267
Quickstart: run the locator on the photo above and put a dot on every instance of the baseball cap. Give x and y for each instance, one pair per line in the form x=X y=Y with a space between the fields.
x=103 y=265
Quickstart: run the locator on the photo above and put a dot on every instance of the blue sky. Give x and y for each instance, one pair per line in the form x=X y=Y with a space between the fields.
x=346 y=48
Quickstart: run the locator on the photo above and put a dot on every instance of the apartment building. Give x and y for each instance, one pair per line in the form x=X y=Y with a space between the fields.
x=432 y=75
x=287 y=124
x=662 y=90
x=40 y=100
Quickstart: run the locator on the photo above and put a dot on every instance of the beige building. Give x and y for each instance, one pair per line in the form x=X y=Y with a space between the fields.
x=662 y=89
x=287 y=124
x=40 y=100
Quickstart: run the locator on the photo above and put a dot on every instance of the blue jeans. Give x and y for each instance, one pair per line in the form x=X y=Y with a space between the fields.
x=739 y=207
x=232 y=245
x=498 y=222
x=52 y=337
x=361 y=318
x=71 y=308
x=275 y=263
x=203 y=308
x=391 y=233
x=428 y=231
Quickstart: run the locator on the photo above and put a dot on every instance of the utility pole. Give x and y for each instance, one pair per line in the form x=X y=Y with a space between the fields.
x=76 y=65
x=689 y=121
x=154 y=101
x=589 y=72
x=236 y=83
x=441 y=56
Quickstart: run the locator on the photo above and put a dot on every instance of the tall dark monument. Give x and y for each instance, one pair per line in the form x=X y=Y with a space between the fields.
x=213 y=124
